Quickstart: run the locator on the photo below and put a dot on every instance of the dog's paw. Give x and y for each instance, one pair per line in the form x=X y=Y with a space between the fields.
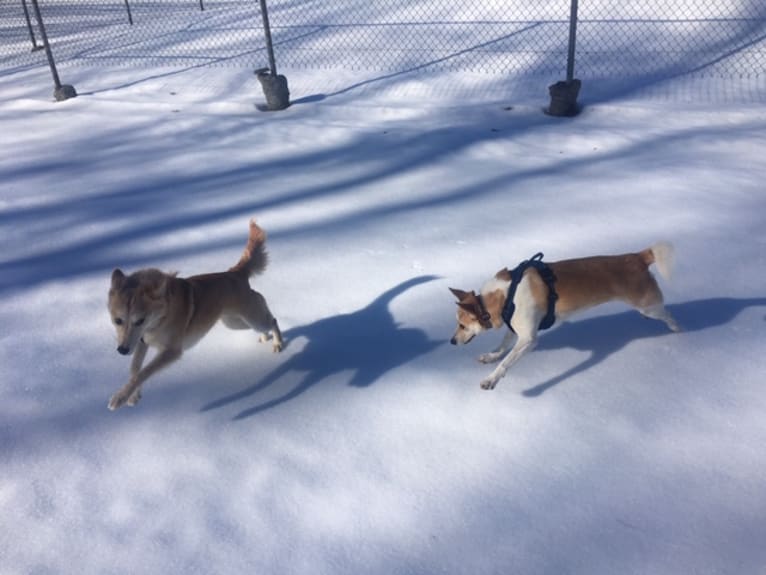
x=489 y=357
x=488 y=384
x=117 y=401
x=134 y=399
x=276 y=342
x=126 y=395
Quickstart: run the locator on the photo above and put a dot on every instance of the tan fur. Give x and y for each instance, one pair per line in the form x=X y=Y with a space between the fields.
x=580 y=284
x=587 y=282
x=151 y=308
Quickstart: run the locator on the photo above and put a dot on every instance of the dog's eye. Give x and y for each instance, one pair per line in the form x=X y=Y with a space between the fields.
x=117 y=321
x=461 y=326
x=139 y=321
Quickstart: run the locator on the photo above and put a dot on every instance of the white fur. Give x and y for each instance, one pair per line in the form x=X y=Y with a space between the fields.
x=664 y=259
x=525 y=321
x=494 y=285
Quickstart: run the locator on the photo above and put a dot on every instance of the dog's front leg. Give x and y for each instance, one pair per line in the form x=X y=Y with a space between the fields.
x=522 y=346
x=138 y=358
x=500 y=351
x=126 y=392
x=135 y=366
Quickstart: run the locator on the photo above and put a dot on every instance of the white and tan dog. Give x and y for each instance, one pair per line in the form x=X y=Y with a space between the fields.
x=579 y=284
x=150 y=308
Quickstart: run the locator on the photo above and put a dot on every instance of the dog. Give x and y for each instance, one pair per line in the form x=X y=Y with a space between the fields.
x=543 y=293
x=150 y=308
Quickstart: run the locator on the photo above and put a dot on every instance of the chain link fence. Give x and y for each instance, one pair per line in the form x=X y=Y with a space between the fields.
x=722 y=38
x=508 y=37
x=129 y=32
x=615 y=38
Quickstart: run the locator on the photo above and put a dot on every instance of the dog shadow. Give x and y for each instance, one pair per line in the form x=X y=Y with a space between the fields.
x=367 y=342
x=605 y=335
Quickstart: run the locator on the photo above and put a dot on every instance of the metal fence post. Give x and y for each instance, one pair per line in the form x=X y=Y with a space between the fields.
x=564 y=94
x=274 y=86
x=130 y=14
x=35 y=45
x=61 y=91
x=572 y=40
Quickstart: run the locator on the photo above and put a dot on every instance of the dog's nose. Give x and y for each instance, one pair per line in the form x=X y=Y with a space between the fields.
x=123 y=350
x=453 y=341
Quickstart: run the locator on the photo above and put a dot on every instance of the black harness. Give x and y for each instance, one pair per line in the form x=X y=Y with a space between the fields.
x=547 y=276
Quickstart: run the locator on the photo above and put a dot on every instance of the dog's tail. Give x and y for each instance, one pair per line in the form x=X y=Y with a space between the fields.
x=254 y=258
x=660 y=253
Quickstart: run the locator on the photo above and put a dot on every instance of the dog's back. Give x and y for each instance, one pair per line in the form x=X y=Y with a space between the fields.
x=585 y=282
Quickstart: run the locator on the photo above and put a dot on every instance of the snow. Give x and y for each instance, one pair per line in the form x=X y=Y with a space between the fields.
x=366 y=446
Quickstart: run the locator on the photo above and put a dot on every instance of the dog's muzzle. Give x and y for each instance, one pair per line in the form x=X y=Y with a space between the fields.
x=455 y=341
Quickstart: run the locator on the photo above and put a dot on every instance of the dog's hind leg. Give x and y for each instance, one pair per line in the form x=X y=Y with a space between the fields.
x=276 y=335
x=235 y=322
x=659 y=312
x=257 y=315
x=650 y=303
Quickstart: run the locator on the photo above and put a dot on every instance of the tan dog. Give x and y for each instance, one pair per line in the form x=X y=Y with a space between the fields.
x=150 y=308
x=579 y=284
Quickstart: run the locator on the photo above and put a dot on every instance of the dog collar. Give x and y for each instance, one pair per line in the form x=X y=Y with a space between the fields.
x=484 y=316
x=547 y=276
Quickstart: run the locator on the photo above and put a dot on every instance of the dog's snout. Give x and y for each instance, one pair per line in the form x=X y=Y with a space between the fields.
x=453 y=341
x=122 y=350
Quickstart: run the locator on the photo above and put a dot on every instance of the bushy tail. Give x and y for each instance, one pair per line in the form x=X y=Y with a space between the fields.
x=660 y=253
x=254 y=258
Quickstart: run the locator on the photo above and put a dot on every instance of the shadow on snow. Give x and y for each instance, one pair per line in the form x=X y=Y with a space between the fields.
x=367 y=342
x=605 y=335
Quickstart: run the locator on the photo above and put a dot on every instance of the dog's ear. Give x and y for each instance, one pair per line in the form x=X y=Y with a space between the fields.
x=155 y=288
x=504 y=275
x=460 y=294
x=471 y=308
x=118 y=278
x=161 y=290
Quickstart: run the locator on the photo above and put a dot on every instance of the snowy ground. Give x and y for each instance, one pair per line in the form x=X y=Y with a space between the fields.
x=367 y=445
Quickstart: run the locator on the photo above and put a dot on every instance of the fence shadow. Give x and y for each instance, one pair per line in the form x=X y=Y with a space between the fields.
x=367 y=342
x=413 y=68
x=606 y=335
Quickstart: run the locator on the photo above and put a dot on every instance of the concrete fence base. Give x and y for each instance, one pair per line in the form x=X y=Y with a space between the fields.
x=564 y=98
x=275 y=89
x=64 y=92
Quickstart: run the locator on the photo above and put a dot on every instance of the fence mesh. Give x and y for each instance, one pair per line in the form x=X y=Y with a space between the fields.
x=724 y=38
x=616 y=38
x=168 y=32
x=486 y=36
